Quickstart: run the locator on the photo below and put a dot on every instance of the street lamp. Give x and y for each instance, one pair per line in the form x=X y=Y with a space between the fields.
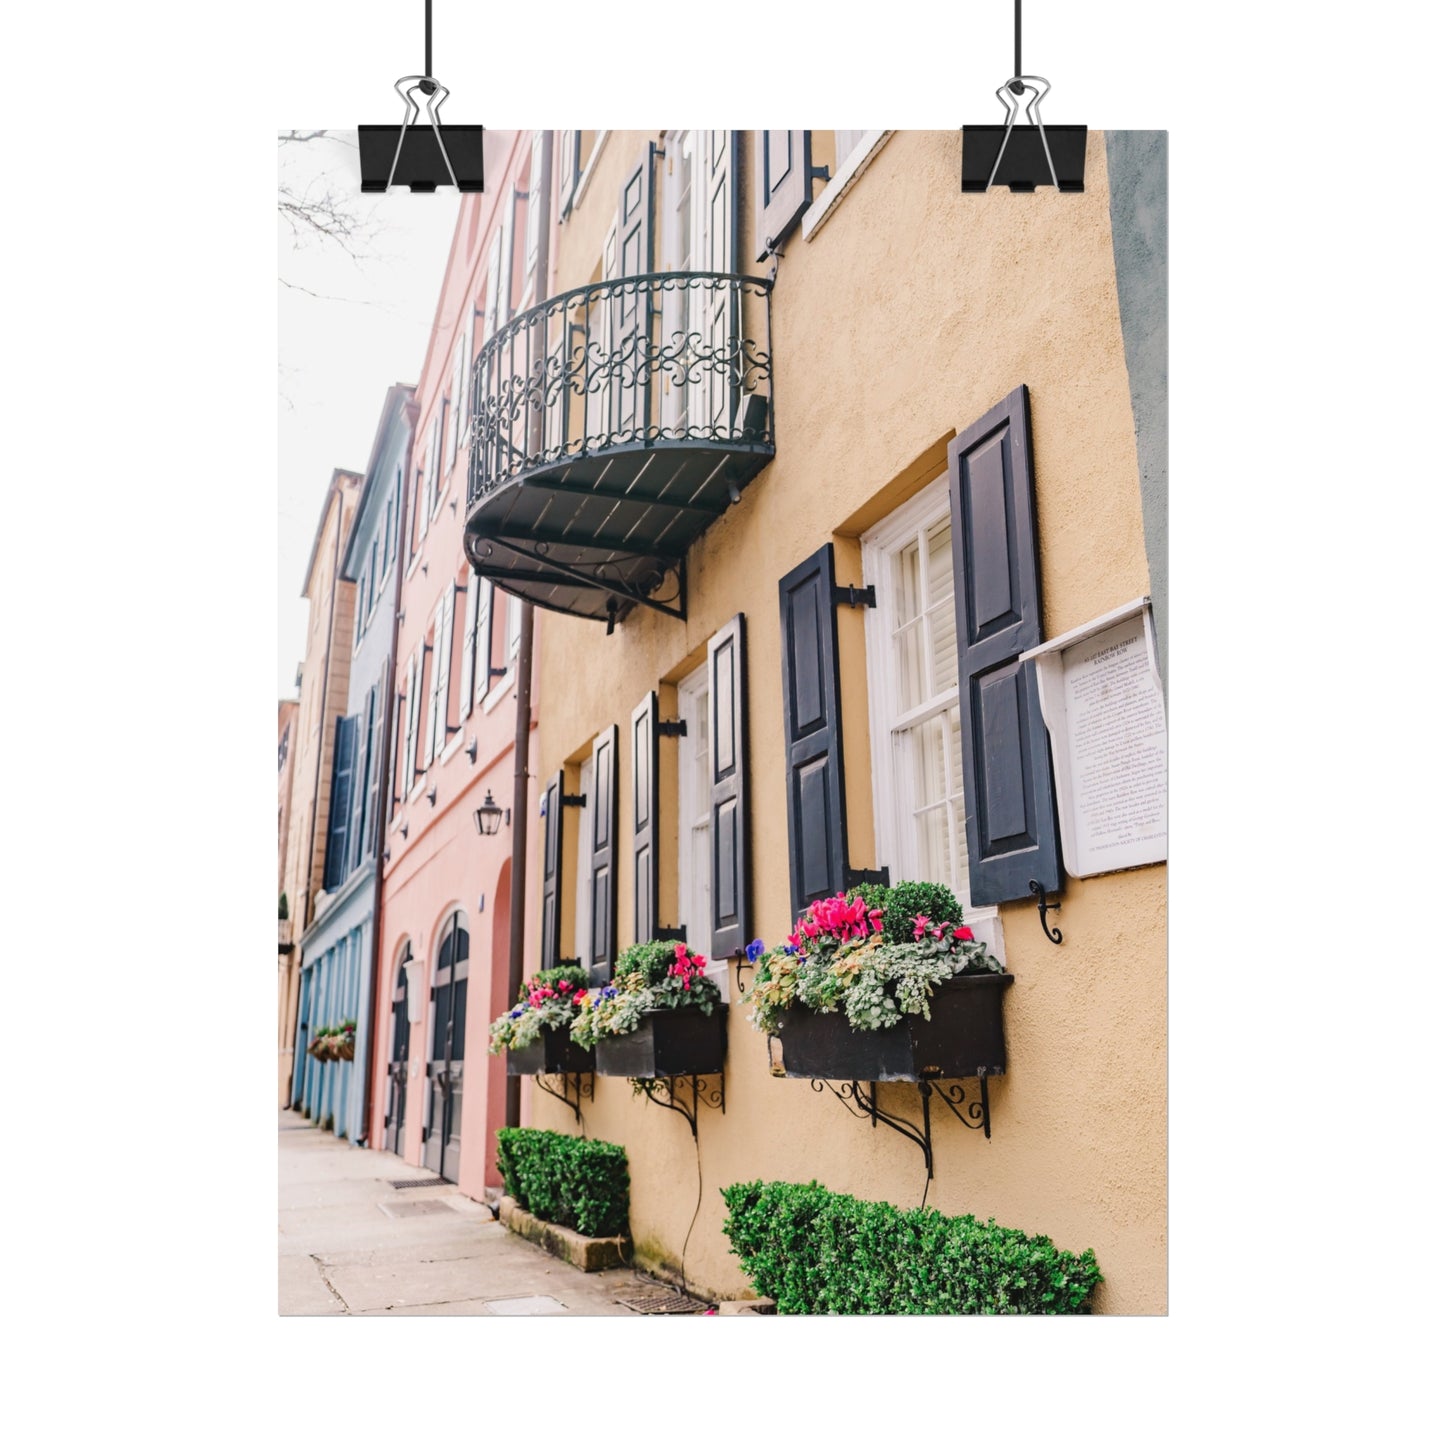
x=491 y=815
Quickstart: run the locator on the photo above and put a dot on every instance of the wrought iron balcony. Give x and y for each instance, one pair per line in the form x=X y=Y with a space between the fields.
x=611 y=425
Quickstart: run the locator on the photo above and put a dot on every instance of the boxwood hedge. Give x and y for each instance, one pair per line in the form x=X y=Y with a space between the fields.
x=581 y=1184
x=816 y=1252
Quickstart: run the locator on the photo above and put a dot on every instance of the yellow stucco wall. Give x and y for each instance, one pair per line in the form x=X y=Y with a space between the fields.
x=910 y=313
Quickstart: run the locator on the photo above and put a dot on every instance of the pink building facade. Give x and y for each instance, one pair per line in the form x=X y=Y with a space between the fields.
x=446 y=925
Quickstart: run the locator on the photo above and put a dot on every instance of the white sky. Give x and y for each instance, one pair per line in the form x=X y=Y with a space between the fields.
x=365 y=328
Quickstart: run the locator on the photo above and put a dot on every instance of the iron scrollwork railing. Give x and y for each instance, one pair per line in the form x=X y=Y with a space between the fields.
x=670 y=357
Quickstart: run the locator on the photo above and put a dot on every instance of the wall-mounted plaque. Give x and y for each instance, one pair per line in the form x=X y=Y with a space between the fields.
x=1103 y=703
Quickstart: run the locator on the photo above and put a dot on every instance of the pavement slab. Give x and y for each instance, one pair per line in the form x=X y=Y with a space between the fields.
x=347 y=1244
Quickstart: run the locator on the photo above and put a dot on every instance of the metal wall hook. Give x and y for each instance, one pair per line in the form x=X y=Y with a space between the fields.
x=1041 y=897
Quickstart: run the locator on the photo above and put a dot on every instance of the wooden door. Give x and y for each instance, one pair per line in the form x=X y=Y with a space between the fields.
x=395 y=1136
x=445 y=1064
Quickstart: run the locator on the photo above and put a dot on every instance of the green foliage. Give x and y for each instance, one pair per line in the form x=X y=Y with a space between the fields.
x=650 y=960
x=816 y=1252
x=549 y=1001
x=282 y=910
x=551 y=977
x=581 y=1184
x=903 y=903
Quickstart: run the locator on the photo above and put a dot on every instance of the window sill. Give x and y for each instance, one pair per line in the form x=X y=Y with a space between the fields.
x=494 y=698
x=452 y=748
x=848 y=173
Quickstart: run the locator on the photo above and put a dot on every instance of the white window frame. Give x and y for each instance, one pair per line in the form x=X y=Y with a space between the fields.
x=582 y=873
x=846 y=171
x=694 y=892
x=880 y=544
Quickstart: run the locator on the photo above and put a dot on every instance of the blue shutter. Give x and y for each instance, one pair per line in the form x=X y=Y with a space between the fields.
x=727 y=703
x=813 y=732
x=644 y=819
x=1012 y=828
x=339 y=824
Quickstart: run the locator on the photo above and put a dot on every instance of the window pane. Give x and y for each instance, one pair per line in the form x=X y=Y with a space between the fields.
x=906 y=584
x=942 y=624
x=932 y=837
x=908 y=642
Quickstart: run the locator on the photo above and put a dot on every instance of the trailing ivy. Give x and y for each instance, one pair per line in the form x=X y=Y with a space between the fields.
x=816 y=1252
x=581 y=1184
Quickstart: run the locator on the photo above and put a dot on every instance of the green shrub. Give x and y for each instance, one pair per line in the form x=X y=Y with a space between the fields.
x=551 y=977
x=903 y=902
x=816 y=1252
x=581 y=1184
x=651 y=959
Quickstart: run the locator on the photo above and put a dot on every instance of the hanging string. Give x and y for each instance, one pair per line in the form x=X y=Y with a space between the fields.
x=1016 y=86
x=427 y=69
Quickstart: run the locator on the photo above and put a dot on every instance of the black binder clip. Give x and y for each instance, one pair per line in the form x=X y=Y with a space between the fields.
x=1023 y=157
x=408 y=155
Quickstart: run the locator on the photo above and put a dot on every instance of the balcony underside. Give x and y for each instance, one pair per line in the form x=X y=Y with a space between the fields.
x=596 y=535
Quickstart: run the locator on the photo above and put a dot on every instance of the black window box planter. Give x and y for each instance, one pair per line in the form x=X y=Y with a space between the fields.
x=962 y=1040
x=667 y=1042
x=553 y=1053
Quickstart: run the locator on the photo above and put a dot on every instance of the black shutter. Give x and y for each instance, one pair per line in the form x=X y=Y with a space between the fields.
x=644 y=818
x=1008 y=789
x=727 y=703
x=362 y=764
x=603 y=851
x=339 y=819
x=785 y=184
x=551 y=870
x=813 y=732
x=375 y=703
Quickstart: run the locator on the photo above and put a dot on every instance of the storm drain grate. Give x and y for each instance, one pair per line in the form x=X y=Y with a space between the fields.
x=661 y=1302
x=416 y=1183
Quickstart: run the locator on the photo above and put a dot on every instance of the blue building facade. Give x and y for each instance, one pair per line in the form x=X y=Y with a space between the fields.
x=337 y=951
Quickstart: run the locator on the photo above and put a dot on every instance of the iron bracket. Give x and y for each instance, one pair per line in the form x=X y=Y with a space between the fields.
x=677 y=1099
x=851 y=596
x=1041 y=897
x=573 y=1091
x=676 y=729
x=740 y=962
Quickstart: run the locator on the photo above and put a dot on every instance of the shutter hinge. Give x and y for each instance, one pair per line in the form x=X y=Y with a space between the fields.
x=574 y=800
x=851 y=596
x=854 y=877
x=676 y=729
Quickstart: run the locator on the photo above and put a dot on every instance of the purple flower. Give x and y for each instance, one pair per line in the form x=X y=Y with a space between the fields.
x=755 y=950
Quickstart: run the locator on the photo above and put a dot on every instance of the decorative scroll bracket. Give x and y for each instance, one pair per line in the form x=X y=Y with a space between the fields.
x=575 y=1088
x=677 y=1098
x=1041 y=898
x=971 y=1116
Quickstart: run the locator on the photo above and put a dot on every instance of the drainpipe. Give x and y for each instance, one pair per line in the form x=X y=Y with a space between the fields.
x=522 y=746
x=306 y=919
x=384 y=821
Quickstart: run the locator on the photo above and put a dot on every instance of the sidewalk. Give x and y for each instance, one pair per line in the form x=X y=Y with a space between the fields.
x=352 y=1244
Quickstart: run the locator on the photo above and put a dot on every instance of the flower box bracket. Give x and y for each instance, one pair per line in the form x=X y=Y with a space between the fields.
x=863 y=1104
x=671 y=1092
x=575 y=1088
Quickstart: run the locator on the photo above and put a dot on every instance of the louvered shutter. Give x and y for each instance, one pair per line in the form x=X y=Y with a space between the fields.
x=632 y=326
x=813 y=732
x=644 y=818
x=483 y=647
x=602 y=852
x=443 y=671
x=552 y=870
x=361 y=785
x=785 y=186
x=376 y=704
x=413 y=715
x=339 y=818
x=719 y=252
x=1008 y=788
x=469 y=647
x=727 y=715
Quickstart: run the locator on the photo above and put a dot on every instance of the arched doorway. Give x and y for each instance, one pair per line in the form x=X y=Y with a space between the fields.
x=395 y=1135
x=443 y=1149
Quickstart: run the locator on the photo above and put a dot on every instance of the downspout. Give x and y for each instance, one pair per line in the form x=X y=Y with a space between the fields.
x=306 y=919
x=384 y=821
x=522 y=746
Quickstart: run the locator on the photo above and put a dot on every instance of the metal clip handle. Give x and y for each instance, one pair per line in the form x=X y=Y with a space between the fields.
x=1009 y=94
x=435 y=93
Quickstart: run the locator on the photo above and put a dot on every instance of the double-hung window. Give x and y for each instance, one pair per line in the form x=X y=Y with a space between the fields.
x=694 y=813
x=912 y=657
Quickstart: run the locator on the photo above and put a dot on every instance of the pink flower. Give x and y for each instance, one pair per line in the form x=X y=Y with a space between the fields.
x=964 y=934
x=875 y=917
x=681 y=952
x=921 y=924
